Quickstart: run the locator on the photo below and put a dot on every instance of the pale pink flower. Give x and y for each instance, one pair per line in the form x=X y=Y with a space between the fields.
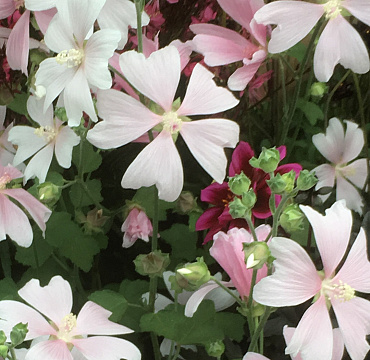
x=7 y=150
x=13 y=221
x=339 y=42
x=64 y=330
x=136 y=226
x=42 y=142
x=254 y=356
x=340 y=148
x=296 y=280
x=126 y=119
x=221 y=46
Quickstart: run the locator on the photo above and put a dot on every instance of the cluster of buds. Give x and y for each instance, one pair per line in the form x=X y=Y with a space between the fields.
x=17 y=336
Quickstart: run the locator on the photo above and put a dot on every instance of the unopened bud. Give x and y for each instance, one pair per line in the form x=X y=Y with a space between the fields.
x=237 y=209
x=282 y=184
x=2 y=337
x=249 y=199
x=61 y=114
x=193 y=275
x=49 y=193
x=306 y=180
x=318 y=89
x=268 y=160
x=257 y=253
x=152 y=264
x=292 y=218
x=186 y=202
x=239 y=184
x=18 y=334
x=215 y=349
x=4 y=351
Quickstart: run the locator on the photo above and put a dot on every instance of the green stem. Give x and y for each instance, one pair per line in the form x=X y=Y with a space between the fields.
x=251 y=227
x=259 y=329
x=277 y=214
x=250 y=303
x=237 y=299
x=177 y=353
x=139 y=10
x=12 y=352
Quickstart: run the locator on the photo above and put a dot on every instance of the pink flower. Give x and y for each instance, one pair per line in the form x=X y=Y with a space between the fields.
x=254 y=356
x=7 y=150
x=13 y=221
x=227 y=249
x=339 y=42
x=136 y=226
x=341 y=148
x=55 y=319
x=296 y=280
x=126 y=119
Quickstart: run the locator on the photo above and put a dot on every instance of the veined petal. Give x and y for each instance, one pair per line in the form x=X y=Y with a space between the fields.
x=340 y=43
x=7 y=8
x=346 y=191
x=294 y=20
x=326 y=175
x=53 y=300
x=64 y=144
x=156 y=77
x=93 y=320
x=18 y=45
x=356 y=172
x=310 y=340
x=203 y=96
x=39 y=164
x=353 y=141
x=354 y=323
x=39 y=5
x=99 y=48
x=35 y=108
x=125 y=119
x=105 y=347
x=332 y=233
x=14 y=312
x=49 y=349
x=295 y=279
x=359 y=9
x=77 y=98
x=206 y=140
x=158 y=164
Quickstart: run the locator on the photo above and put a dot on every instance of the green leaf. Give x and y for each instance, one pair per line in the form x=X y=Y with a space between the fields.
x=19 y=104
x=311 y=110
x=232 y=325
x=297 y=51
x=86 y=194
x=112 y=301
x=68 y=237
x=193 y=218
x=91 y=160
x=8 y=289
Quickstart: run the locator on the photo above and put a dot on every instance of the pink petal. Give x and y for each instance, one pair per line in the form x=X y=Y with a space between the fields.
x=11 y=171
x=254 y=356
x=332 y=233
x=185 y=49
x=39 y=5
x=125 y=119
x=43 y=18
x=14 y=312
x=359 y=9
x=7 y=7
x=295 y=279
x=105 y=347
x=313 y=338
x=64 y=144
x=51 y=350
x=158 y=164
x=156 y=77
x=53 y=300
x=93 y=320
x=17 y=48
x=294 y=20
x=350 y=194
x=354 y=323
x=340 y=43
x=206 y=140
x=203 y=96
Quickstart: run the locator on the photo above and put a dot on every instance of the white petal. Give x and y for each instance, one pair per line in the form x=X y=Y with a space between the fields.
x=35 y=108
x=39 y=164
x=64 y=143
x=350 y=194
x=359 y=9
x=39 y=5
x=353 y=141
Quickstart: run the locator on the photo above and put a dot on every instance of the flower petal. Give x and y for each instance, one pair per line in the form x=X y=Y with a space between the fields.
x=206 y=140
x=6 y=8
x=359 y=9
x=39 y=164
x=203 y=96
x=158 y=164
x=64 y=144
x=254 y=356
x=346 y=191
x=353 y=141
x=43 y=18
x=326 y=175
x=39 y=5
x=35 y=108
x=49 y=349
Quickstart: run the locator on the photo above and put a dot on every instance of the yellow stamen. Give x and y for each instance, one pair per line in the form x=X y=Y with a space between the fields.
x=72 y=57
x=332 y=9
x=4 y=180
x=68 y=323
x=47 y=132
x=171 y=122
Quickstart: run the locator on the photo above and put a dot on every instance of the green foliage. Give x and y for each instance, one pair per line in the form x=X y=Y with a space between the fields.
x=86 y=193
x=86 y=160
x=19 y=104
x=312 y=111
x=8 y=289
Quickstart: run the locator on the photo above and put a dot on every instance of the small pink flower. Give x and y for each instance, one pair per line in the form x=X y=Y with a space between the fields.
x=296 y=280
x=136 y=226
x=254 y=356
x=64 y=329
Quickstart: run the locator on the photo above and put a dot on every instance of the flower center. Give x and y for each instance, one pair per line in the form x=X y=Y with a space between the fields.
x=47 y=132
x=171 y=122
x=341 y=291
x=66 y=326
x=4 y=180
x=72 y=57
x=340 y=170
x=332 y=9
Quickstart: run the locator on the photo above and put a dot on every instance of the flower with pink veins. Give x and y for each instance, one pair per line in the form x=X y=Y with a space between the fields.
x=340 y=148
x=53 y=317
x=126 y=119
x=296 y=280
x=80 y=63
x=42 y=142
x=13 y=221
x=221 y=46
x=339 y=42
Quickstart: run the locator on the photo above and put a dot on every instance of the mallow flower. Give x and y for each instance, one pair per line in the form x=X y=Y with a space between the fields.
x=65 y=331
x=339 y=41
x=125 y=119
x=340 y=148
x=7 y=150
x=296 y=280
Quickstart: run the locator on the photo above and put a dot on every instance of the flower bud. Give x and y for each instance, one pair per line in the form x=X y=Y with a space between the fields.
x=318 y=89
x=306 y=180
x=281 y=184
x=18 y=334
x=186 y=202
x=49 y=193
x=215 y=349
x=2 y=337
x=239 y=184
x=256 y=253
x=292 y=218
x=249 y=198
x=237 y=209
x=193 y=275
x=61 y=114
x=152 y=264
x=267 y=161
x=4 y=351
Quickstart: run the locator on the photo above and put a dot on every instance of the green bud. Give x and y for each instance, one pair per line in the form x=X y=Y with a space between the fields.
x=258 y=309
x=292 y=218
x=193 y=275
x=306 y=180
x=277 y=184
x=318 y=89
x=152 y=264
x=237 y=209
x=61 y=114
x=239 y=184
x=4 y=351
x=215 y=349
x=49 y=193
x=18 y=334
x=268 y=160
x=289 y=179
x=2 y=337
x=249 y=199
x=256 y=254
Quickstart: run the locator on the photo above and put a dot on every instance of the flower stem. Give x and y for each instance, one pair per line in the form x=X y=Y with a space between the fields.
x=12 y=352
x=237 y=299
x=259 y=329
x=139 y=10
x=277 y=214
x=250 y=303
x=251 y=227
